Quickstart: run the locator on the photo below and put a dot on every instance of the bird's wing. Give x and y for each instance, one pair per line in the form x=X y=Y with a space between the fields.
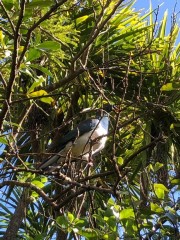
x=84 y=127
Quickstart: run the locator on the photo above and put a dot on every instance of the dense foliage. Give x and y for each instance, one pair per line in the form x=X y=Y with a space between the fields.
x=59 y=57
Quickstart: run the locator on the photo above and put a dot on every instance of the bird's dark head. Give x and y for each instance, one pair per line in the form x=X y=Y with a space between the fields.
x=108 y=107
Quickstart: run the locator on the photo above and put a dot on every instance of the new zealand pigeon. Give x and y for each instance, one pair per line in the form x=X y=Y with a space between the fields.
x=84 y=141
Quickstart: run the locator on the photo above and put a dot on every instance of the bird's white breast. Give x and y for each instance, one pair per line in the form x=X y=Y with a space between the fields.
x=88 y=144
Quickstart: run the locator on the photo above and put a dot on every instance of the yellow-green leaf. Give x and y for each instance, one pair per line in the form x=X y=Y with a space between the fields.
x=35 y=84
x=170 y=86
x=37 y=93
x=38 y=183
x=175 y=181
x=3 y=140
x=40 y=93
x=157 y=166
x=2 y=38
x=49 y=46
x=81 y=19
x=127 y=213
x=156 y=208
x=159 y=190
x=47 y=100
x=167 y=87
x=120 y=161
x=70 y=217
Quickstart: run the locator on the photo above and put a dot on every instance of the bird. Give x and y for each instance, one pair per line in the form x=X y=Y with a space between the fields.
x=86 y=140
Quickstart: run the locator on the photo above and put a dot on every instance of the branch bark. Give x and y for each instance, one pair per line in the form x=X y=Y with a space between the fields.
x=17 y=218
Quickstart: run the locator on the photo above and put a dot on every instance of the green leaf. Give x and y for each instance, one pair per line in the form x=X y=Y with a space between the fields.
x=175 y=181
x=161 y=186
x=33 y=54
x=62 y=221
x=37 y=183
x=39 y=3
x=167 y=87
x=3 y=140
x=9 y=4
x=37 y=93
x=157 y=166
x=88 y=233
x=2 y=38
x=47 y=100
x=127 y=213
x=156 y=208
x=159 y=190
x=49 y=46
x=42 y=69
x=81 y=19
x=170 y=87
x=80 y=222
x=70 y=217
x=35 y=84
x=110 y=202
x=120 y=161
x=162 y=29
x=40 y=93
x=43 y=179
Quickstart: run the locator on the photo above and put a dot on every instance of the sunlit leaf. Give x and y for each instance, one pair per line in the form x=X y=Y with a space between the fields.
x=35 y=84
x=175 y=181
x=70 y=217
x=120 y=161
x=3 y=140
x=81 y=19
x=160 y=190
x=37 y=183
x=170 y=87
x=156 y=208
x=41 y=93
x=157 y=166
x=127 y=213
x=49 y=46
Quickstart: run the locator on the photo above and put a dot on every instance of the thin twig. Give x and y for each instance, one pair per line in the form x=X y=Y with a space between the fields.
x=8 y=17
x=6 y=32
x=3 y=80
x=13 y=72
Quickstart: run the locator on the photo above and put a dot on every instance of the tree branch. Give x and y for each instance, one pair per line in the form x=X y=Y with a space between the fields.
x=31 y=187
x=14 y=65
x=8 y=17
